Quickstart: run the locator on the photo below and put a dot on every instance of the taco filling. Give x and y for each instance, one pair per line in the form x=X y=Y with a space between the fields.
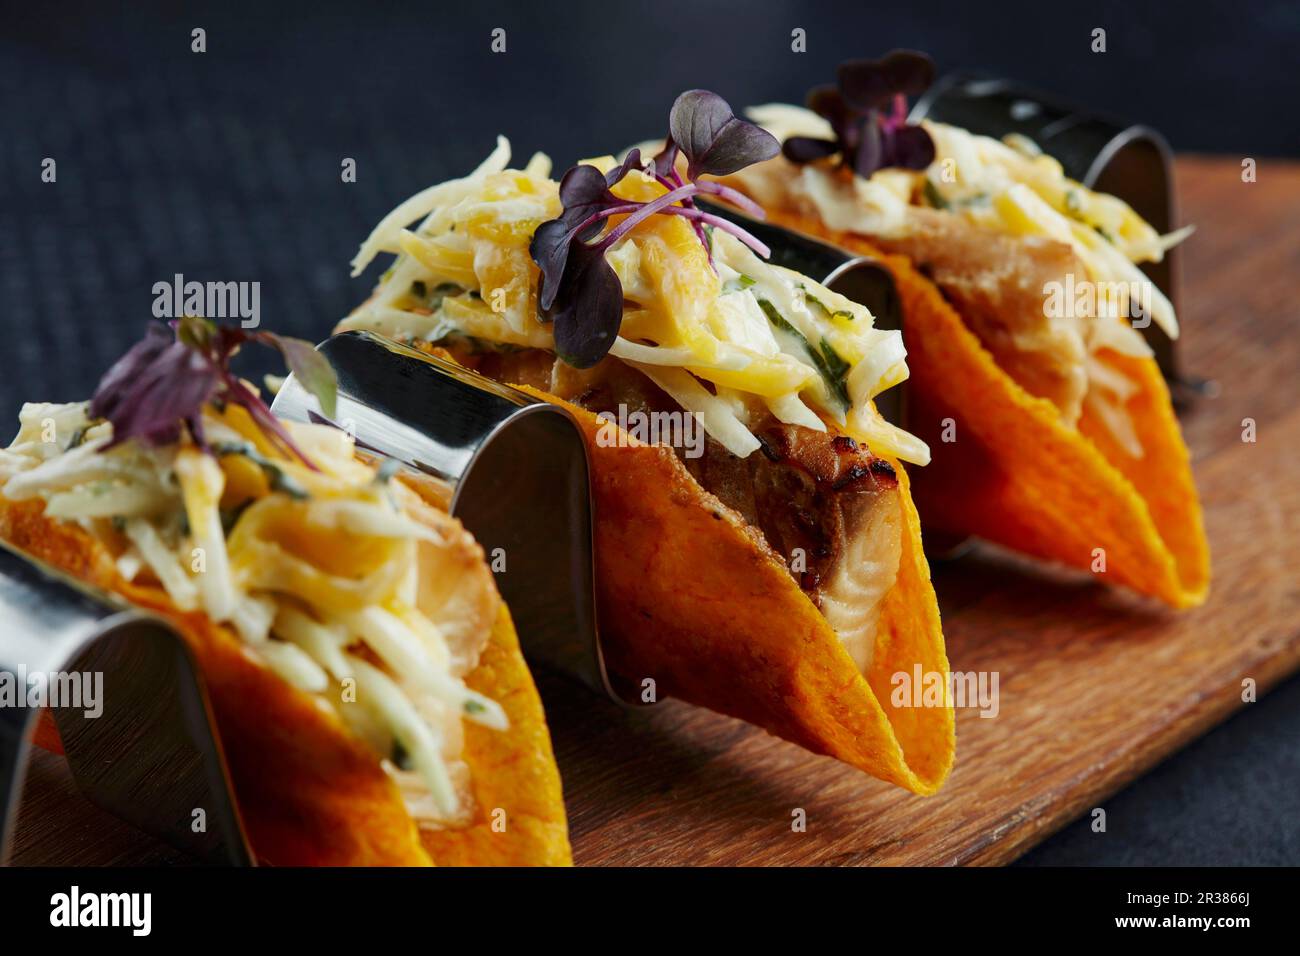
x=328 y=568
x=778 y=370
x=1043 y=270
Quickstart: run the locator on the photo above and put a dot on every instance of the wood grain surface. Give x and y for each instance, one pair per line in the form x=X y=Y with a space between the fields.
x=1095 y=686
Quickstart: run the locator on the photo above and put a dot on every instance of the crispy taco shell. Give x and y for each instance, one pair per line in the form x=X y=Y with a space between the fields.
x=311 y=793
x=1017 y=476
x=693 y=598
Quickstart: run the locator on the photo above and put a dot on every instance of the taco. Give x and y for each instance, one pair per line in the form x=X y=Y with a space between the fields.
x=365 y=677
x=1051 y=426
x=757 y=549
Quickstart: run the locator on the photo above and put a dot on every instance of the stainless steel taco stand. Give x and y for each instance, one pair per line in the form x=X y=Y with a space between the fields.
x=139 y=736
x=1130 y=161
x=519 y=476
x=146 y=747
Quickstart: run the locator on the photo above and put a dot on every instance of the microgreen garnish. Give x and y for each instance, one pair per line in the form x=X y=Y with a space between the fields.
x=166 y=379
x=580 y=292
x=867 y=108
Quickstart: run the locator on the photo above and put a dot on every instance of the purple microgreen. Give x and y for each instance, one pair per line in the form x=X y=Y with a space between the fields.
x=875 y=84
x=313 y=370
x=164 y=381
x=712 y=138
x=806 y=149
x=868 y=112
x=157 y=386
x=579 y=291
x=589 y=310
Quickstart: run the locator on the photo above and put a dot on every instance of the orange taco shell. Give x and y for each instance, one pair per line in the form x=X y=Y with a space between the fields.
x=695 y=600
x=309 y=792
x=1017 y=476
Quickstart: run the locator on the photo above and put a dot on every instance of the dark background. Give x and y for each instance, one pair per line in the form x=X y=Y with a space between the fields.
x=225 y=166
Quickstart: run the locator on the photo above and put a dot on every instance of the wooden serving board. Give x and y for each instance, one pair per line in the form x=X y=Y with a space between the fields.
x=1095 y=686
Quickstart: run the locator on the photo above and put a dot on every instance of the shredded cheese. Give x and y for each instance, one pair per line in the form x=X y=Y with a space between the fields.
x=725 y=338
x=318 y=572
x=1010 y=186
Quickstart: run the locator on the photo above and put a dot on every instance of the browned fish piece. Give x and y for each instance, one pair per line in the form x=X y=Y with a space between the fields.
x=822 y=501
x=997 y=283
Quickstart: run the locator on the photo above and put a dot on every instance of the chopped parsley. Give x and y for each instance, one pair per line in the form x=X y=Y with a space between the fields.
x=829 y=363
x=401 y=756
x=833 y=313
x=276 y=477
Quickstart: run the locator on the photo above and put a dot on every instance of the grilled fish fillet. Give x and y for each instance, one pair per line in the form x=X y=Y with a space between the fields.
x=997 y=284
x=828 y=506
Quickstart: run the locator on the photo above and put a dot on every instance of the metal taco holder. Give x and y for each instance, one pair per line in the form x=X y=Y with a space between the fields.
x=1131 y=161
x=151 y=756
x=519 y=475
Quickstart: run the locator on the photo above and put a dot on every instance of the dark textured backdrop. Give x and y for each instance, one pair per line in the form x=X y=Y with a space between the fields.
x=225 y=166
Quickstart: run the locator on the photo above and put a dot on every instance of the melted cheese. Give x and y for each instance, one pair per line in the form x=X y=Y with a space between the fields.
x=1009 y=186
x=720 y=330
x=319 y=572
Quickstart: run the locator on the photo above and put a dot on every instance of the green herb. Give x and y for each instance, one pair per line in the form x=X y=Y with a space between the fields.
x=459 y=342
x=387 y=468
x=276 y=477
x=738 y=284
x=1073 y=205
x=421 y=295
x=473 y=707
x=829 y=364
x=283 y=482
x=77 y=438
x=834 y=314
x=836 y=372
x=401 y=757
x=934 y=197
x=1104 y=234
x=939 y=201
x=230 y=516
